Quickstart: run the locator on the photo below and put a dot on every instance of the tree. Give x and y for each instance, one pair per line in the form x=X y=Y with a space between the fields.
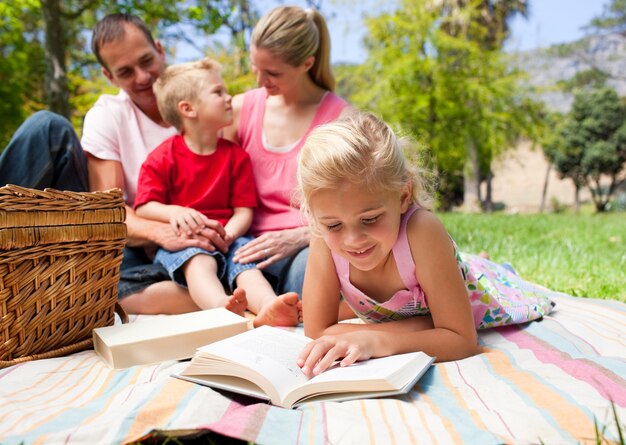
x=591 y=142
x=67 y=23
x=613 y=17
x=449 y=91
x=21 y=69
x=485 y=22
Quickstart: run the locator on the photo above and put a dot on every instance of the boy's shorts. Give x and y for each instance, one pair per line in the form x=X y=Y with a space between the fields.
x=226 y=268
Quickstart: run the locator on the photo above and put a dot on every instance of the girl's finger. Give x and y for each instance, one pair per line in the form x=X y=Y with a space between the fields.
x=351 y=357
x=304 y=354
x=331 y=356
x=316 y=353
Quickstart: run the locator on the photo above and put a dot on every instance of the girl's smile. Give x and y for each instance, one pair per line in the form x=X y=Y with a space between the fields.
x=359 y=224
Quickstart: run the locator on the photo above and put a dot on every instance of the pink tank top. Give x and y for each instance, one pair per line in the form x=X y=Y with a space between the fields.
x=405 y=303
x=275 y=173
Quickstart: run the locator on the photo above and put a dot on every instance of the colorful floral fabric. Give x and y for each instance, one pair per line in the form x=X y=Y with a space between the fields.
x=499 y=296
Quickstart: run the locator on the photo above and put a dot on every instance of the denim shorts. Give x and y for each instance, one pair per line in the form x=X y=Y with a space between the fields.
x=227 y=270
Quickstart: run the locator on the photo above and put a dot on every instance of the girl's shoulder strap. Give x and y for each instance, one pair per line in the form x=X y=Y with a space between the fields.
x=402 y=251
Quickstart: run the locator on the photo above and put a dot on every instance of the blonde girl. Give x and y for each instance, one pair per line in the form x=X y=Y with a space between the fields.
x=377 y=246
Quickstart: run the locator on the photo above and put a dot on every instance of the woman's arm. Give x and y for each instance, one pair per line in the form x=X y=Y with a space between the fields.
x=448 y=334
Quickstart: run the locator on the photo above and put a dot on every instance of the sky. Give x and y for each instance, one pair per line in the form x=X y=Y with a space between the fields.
x=549 y=22
x=553 y=21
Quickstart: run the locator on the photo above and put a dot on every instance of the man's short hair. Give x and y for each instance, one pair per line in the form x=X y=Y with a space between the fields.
x=111 y=28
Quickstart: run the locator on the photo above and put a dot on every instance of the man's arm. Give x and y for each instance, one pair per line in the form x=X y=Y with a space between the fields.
x=141 y=232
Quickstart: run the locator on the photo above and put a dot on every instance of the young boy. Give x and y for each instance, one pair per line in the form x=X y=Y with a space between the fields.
x=195 y=177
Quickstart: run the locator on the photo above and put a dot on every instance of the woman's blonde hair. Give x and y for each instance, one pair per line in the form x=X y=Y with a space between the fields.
x=294 y=34
x=183 y=81
x=362 y=149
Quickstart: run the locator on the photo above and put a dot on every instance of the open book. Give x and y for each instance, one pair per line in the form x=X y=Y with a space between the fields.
x=262 y=363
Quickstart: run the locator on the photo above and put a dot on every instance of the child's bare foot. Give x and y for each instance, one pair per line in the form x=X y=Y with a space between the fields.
x=484 y=255
x=237 y=302
x=285 y=310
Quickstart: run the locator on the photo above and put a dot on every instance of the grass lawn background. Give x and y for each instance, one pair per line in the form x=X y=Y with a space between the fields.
x=582 y=255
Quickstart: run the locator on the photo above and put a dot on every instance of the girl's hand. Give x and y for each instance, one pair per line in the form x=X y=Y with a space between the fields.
x=319 y=355
x=272 y=247
x=189 y=222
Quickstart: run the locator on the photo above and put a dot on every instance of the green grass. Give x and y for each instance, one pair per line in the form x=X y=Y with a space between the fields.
x=581 y=255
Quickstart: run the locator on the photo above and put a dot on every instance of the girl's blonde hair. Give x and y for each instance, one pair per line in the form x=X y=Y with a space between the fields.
x=183 y=81
x=294 y=34
x=362 y=149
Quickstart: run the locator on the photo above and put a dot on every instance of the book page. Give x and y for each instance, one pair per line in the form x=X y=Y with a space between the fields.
x=269 y=353
x=374 y=377
x=373 y=369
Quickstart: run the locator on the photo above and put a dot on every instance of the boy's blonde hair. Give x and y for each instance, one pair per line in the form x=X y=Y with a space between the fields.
x=182 y=81
x=294 y=34
x=361 y=149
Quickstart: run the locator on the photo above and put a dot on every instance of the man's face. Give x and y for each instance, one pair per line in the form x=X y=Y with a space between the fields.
x=133 y=64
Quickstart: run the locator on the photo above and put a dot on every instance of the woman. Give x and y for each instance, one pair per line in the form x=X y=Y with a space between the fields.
x=290 y=54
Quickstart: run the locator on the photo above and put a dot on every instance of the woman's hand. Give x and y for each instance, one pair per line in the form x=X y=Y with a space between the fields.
x=273 y=246
x=319 y=355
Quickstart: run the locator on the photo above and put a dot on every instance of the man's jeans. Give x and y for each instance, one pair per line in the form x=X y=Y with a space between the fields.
x=45 y=152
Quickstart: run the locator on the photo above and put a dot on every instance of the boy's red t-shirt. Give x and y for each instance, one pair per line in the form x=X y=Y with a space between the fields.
x=212 y=184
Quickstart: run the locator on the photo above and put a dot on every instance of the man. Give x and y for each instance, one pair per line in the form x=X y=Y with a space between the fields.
x=118 y=133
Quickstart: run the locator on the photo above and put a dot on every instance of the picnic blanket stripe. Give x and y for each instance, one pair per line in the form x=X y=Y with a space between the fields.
x=159 y=410
x=502 y=367
x=63 y=420
x=98 y=392
x=104 y=393
x=570 y=384
x=415 y=398
x=368 y=421
x=311 y=430
x=243 y=422
x=126 y=400
x=477 y=419
x=555 y=332
x=541 y=403
x=384 y=420
x=616 y=305
x=484 y=395
x=442 y=397
x=608 y=384
x=402 y=404
x=282 y=426
x=599 y=318
x=400 y=421
x=54 y=396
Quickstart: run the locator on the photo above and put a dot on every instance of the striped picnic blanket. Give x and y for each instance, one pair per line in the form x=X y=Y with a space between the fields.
x=547 y=382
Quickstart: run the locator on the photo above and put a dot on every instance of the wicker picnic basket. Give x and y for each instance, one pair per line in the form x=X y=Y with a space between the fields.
x=60 y=254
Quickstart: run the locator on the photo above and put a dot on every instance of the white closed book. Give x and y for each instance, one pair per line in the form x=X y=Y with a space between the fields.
x=164 y=337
